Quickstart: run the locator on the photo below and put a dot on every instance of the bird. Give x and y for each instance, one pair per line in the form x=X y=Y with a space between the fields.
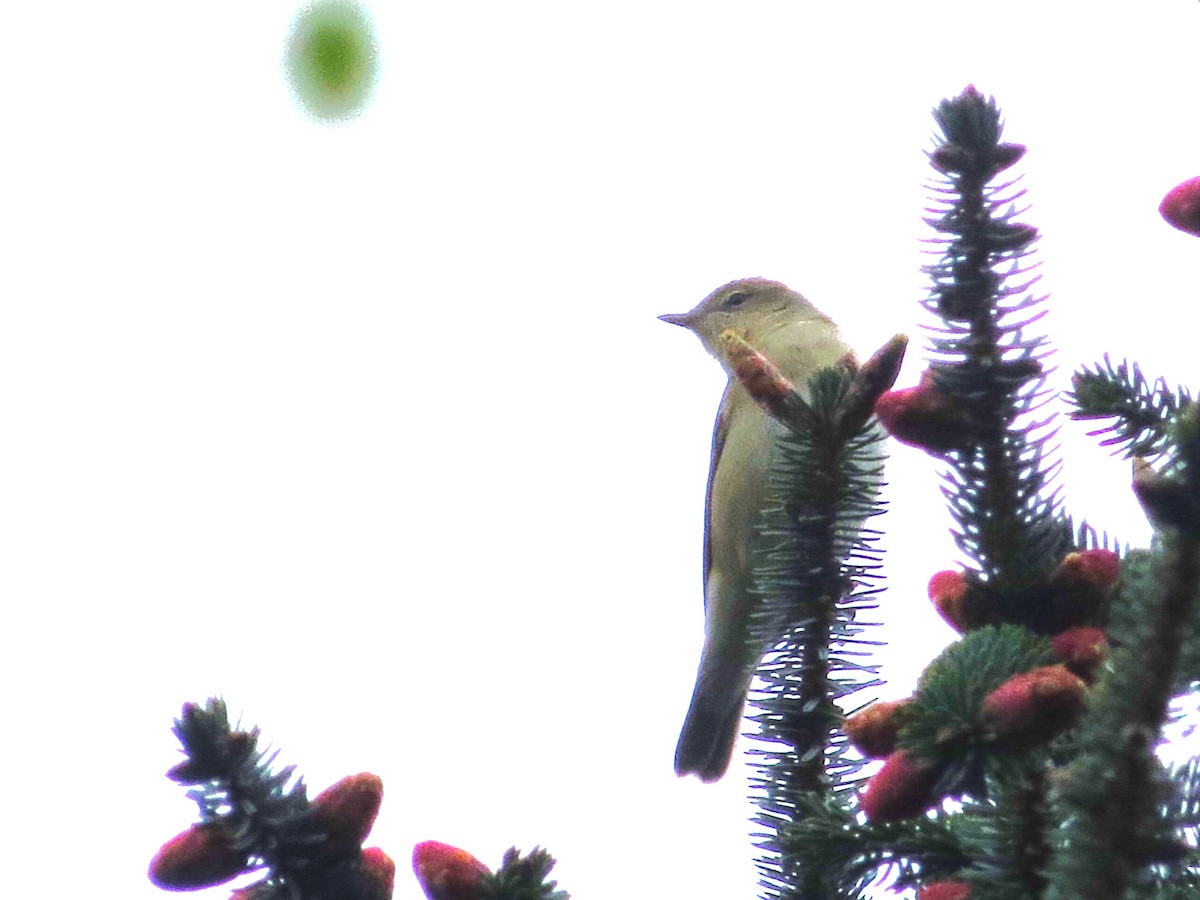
x=800 y=340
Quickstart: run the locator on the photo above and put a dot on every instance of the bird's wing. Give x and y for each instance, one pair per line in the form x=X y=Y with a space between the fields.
x=720 y=430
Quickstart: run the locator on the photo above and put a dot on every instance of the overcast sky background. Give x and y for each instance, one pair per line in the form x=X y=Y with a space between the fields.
x=372 y=428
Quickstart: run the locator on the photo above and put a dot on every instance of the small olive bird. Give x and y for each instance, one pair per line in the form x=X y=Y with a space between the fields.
x=800 y=340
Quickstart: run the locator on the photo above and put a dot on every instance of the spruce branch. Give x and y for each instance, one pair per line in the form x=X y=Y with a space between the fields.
x=446 y=872
x=523 y=878
x=987 y=366
x=942 y=722
x=857 y=856
x=1006 y=839
x=814 y=568
x=1142 y=412
x=991 y=719
x=1115 y=794
x=254 y=818
x=1031 y=846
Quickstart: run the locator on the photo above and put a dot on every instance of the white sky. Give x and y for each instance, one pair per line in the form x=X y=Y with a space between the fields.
x=372 y=428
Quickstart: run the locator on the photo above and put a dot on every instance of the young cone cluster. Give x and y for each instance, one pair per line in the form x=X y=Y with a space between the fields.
x=1041 y=696
x=206 y=854
x=1031 y=602
x=1074 y=594
x=1041 y=719
x=254 y=820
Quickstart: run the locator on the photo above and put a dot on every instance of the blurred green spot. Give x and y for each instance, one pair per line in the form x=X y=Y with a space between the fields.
x=332 y=60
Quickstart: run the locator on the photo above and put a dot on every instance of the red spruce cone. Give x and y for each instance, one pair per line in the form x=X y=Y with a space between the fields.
x=873 y=731
x=200 y=857
x=448 y=873
x=925 y=418
x=900 y=790
x=347 y=810
x=1082 y=583
x=956 y=602
x=1096 y=568
x=1181 y=206
x=1081 y=650
x=1034 y=706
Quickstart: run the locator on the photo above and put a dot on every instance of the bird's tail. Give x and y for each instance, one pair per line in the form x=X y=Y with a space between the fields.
x=713 y=719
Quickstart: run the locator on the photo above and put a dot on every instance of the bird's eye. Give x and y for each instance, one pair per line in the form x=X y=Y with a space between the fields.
x=736 y=299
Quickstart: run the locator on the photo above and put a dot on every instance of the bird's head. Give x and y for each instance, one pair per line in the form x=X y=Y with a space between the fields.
x=750 y=306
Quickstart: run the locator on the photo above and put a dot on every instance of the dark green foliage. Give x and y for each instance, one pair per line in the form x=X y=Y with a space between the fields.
x=1007 y=521
x=814 y=569
x=1148 y=423
x=234 y=784
x=1142 y=413
x=523 y=878
x=1116 y=801
x=1131 y=824
x=1140 y=570
x=826 y=838
x=1004 y=839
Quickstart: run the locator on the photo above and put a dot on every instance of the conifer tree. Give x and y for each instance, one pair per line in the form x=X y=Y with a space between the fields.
x=1023 y=766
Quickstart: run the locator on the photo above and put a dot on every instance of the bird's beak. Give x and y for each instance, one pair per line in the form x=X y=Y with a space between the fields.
x=681 y=319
